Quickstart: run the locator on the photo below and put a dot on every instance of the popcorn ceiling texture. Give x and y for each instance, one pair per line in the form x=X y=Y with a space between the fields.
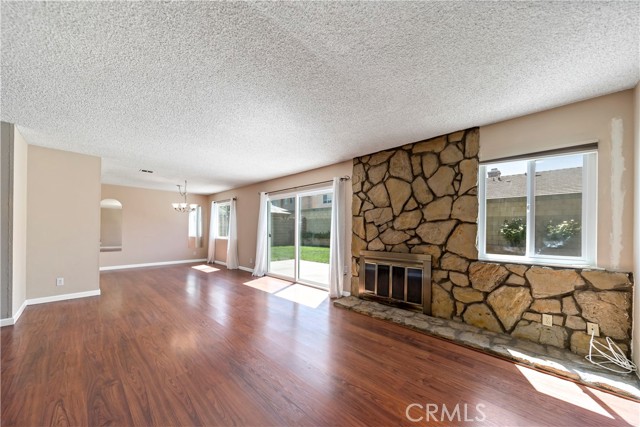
x=225 y=94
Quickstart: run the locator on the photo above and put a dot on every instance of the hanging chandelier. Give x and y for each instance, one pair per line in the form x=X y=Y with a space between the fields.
x=183 y=206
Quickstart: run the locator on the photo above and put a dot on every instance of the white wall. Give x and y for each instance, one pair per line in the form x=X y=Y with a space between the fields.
x=20 y=161
x=636 y=253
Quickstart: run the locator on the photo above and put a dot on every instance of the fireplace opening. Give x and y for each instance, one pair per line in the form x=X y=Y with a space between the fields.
x=401 y=280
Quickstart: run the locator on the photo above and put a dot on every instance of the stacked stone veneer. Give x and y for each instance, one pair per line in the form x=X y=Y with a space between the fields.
x=422 y=198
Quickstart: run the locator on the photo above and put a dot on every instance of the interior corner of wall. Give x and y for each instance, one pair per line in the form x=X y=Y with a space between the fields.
x=617 y=190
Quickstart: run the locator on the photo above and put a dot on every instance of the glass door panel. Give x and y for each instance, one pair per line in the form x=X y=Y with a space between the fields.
x=282 y=237
x=314 y=231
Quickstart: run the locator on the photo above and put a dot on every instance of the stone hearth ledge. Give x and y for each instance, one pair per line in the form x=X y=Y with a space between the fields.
x=548 y=358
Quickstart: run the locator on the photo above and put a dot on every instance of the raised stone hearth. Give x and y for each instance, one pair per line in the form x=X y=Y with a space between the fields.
x=421 y=198
x=548 y=357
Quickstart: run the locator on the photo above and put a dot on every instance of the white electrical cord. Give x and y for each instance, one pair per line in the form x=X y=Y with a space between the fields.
x=609 y=354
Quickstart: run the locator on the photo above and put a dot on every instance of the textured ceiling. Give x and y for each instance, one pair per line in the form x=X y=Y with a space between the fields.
x=226 y=94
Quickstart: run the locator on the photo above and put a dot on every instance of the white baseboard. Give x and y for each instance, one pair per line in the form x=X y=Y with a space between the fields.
x=12 y=320
x=20 y=310
x=63 y=297
x=151 y=264
x=250 y=270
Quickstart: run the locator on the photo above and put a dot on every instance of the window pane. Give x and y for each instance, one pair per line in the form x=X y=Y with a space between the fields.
x=282 y=229
x=558 y=206
x=195 y=227
x=506 y=209
x=315 y=231
x=223 y=220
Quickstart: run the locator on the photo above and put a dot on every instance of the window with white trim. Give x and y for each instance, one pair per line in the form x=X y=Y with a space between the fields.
x=223 y=220
x=195 y=226
x=540 y=210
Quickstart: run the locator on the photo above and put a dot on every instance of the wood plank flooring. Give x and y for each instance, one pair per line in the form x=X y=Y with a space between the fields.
x=176 y=346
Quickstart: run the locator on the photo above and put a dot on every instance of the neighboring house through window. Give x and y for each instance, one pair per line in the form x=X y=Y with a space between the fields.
x=539 y=210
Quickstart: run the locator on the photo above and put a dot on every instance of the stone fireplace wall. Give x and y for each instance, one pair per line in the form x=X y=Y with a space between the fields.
x=422 y=198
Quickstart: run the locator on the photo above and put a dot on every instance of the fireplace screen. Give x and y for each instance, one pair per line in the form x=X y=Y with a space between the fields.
x=399 y=279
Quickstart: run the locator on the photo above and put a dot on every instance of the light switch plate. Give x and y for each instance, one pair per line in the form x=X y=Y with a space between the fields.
x=547 y=320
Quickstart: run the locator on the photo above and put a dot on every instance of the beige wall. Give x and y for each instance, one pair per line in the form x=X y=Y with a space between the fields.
x=20 y=164
x=63 y=222
x=248 y=204
x=572 y=125
x=636 y=252
x=110 y=227
x=221 y=250
x=151 y=230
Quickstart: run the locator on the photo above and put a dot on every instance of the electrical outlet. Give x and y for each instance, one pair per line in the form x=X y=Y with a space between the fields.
x=547 y=320
x=59 y=281
x=593 y=328
x=250 y=261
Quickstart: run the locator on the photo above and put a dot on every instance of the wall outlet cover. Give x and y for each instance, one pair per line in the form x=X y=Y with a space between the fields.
x=59 y=281
x=593 y=328
x=547 y=320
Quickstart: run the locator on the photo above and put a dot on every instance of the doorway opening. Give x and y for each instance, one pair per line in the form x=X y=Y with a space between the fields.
x=299 y=234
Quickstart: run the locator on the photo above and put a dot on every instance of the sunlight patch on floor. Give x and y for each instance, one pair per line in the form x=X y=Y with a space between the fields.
x=205 y=268
x=630 y=414
x=537 y=360
x=295 y=292
x=564 y=390
x=305 y=295
x=268 y=284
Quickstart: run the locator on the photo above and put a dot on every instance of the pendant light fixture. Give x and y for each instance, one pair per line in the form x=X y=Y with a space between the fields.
x=183 y=206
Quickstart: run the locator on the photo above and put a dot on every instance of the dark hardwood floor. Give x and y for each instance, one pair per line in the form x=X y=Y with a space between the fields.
x=178 y=346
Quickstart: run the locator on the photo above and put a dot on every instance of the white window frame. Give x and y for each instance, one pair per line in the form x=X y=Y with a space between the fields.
x=195 y=221
x=218 y=206
x=589 y=215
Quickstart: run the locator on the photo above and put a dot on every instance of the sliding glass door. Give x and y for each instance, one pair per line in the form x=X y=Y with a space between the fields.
x=299 y=231
x=314 y=231
x=282 y=237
